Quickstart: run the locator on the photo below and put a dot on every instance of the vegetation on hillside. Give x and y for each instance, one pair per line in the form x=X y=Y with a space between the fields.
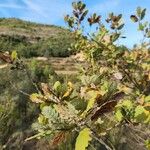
x=32 y=40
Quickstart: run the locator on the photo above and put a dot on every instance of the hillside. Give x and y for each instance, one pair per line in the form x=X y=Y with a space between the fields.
x=32 y=39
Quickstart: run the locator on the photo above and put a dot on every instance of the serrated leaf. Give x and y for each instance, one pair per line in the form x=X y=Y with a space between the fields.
x=83 y=139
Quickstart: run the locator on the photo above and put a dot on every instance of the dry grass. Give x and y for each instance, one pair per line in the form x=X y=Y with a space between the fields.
x=64 y=66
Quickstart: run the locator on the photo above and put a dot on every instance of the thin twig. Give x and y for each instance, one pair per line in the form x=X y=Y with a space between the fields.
x=96 y=137
x=17 y=89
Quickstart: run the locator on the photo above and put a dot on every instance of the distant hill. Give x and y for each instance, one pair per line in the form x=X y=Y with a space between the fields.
x=33 y=39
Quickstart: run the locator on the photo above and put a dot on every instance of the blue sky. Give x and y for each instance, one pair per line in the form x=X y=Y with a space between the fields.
x=52 y=12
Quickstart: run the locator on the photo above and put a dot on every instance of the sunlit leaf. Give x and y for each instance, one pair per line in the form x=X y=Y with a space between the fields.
x=118 y=115
x=57 y=86
x=141 y=114
x=83 y=139
x=37 y=98
x=14 y=55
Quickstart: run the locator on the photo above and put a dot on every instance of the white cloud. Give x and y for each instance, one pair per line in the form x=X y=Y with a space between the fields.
x=47 y=11
x=14 y=6
x=35 y=7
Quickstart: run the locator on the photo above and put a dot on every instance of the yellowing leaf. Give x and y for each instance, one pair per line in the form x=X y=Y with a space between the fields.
x=103 y=70
x=69 y=91
x=125 y=89
x=147 y=98
x=93 y=96
x=83 y=139
x=70 y=85
x=127 y=104
x=36 y=98
x=90 y=104
x=14 y=55
x=42 y=119
x=119 y=115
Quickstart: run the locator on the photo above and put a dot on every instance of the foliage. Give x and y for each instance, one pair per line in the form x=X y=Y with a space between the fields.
x=112 y=91
x=32 y=40
x=83 y=139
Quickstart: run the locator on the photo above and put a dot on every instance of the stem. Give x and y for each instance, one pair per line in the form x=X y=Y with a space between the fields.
x=30 y=78
x=96 y=137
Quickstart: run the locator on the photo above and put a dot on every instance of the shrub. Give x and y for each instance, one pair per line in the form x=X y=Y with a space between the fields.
x=114 y=86
x=111 y=96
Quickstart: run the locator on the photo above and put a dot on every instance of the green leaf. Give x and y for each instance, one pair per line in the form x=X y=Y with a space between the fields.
x=119 y=115
x=83 y=15
x=134 y=18
x=49 y=112
x=141 y=27
x=71 y=108
x=74 y=5
x=90 y=104
x=147 y=143
x=115 y=37
x=127 y=104
x=140 y=114
x=36 y=98
x=14 y=55
x=110 y=15
x=143 y=13
x=105 y=87
x=138 y=11
x=57 y=86
x=83 y=139
x=147 y=99
x=148 y=34
x=120 y=27
x=42 y=119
